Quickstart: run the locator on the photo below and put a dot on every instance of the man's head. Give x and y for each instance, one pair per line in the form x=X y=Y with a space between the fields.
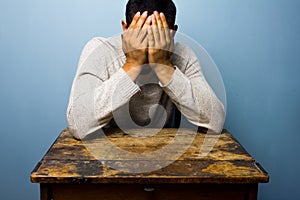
x=165 y=6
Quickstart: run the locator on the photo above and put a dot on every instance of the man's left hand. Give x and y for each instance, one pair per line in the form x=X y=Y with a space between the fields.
x=160 y=47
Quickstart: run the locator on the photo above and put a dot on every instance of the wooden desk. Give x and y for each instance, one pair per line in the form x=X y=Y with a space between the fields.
x=69 y=171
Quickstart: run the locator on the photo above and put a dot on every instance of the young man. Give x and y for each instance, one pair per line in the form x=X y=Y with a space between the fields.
x=140 y=78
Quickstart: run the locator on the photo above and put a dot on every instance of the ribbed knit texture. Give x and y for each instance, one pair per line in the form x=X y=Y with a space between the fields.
x=103 y=91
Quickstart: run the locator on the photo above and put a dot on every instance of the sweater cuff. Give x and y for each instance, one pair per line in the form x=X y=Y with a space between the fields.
x=177 y=84
x=126 y=88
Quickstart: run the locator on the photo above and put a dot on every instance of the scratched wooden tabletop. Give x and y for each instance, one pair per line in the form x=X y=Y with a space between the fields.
x=207 y=158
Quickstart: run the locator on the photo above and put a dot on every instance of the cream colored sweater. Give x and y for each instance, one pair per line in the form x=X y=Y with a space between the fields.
x=102 y=91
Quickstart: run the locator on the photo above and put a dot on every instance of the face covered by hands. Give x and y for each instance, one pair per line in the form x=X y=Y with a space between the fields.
x=148 y=40
x=135 y=40
x=160 y=40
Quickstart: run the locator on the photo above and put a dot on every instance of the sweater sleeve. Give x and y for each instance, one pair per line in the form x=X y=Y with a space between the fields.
x=193 y=96
x=94 y=89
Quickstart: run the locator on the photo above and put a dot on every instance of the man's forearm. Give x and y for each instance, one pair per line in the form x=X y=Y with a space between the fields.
x=164 y=72
x=132 y=70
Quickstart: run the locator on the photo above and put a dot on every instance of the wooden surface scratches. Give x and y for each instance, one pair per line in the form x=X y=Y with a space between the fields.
x=69 y=161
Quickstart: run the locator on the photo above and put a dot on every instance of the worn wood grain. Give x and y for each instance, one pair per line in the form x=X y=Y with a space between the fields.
x=69 y=161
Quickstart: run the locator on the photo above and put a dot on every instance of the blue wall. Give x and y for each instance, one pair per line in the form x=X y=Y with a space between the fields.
x=255 y=44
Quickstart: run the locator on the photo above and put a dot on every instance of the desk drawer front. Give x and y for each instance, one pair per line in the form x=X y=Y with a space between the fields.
x=149 y=192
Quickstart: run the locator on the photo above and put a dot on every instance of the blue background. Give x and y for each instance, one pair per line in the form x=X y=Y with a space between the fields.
x=255 y=44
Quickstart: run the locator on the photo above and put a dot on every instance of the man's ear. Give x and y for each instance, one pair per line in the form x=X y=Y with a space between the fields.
x=124 y=25
x=175 y=27
x=174 y=30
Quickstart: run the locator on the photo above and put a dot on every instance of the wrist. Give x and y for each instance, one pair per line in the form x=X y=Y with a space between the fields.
x=164 y=72
x=136 y=61
x=162 y=65
x=132 y=66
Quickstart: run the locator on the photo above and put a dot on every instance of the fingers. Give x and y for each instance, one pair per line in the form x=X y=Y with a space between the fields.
x=159 y=25
x=151 y=30
x=161 y=34
x=158 y=19
x=135 y=20
x=166 y=29
x=138 y=20
x=151 y=41
x=141 y=20
x=139 y=25
x=148 y=21
x=155 y=29
x=164 y=21
x=144 y=32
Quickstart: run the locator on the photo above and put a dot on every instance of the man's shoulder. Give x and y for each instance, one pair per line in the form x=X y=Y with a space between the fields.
x=101 y=46
x=183 y=52
x=112 y=42
x=181 y=48
x=98 y=49
x=92 y=45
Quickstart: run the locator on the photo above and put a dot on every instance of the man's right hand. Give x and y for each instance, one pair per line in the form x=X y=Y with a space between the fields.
x=135 y=42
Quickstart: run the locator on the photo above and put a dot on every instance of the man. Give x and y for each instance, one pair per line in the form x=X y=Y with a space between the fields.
x=139 y=79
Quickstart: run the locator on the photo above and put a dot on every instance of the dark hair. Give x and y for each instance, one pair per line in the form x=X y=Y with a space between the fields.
x=165 y=6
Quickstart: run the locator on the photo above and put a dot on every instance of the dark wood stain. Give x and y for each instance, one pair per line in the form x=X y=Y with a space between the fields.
x=69 y=161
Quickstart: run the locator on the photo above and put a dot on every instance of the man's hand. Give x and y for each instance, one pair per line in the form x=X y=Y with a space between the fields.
x=160 y=47
x=135 y=42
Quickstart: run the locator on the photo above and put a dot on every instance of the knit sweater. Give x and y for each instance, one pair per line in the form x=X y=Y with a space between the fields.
x=103 y=94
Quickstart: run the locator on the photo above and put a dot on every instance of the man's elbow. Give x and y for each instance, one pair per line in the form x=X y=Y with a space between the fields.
x=76 y=131
x=218 y=117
